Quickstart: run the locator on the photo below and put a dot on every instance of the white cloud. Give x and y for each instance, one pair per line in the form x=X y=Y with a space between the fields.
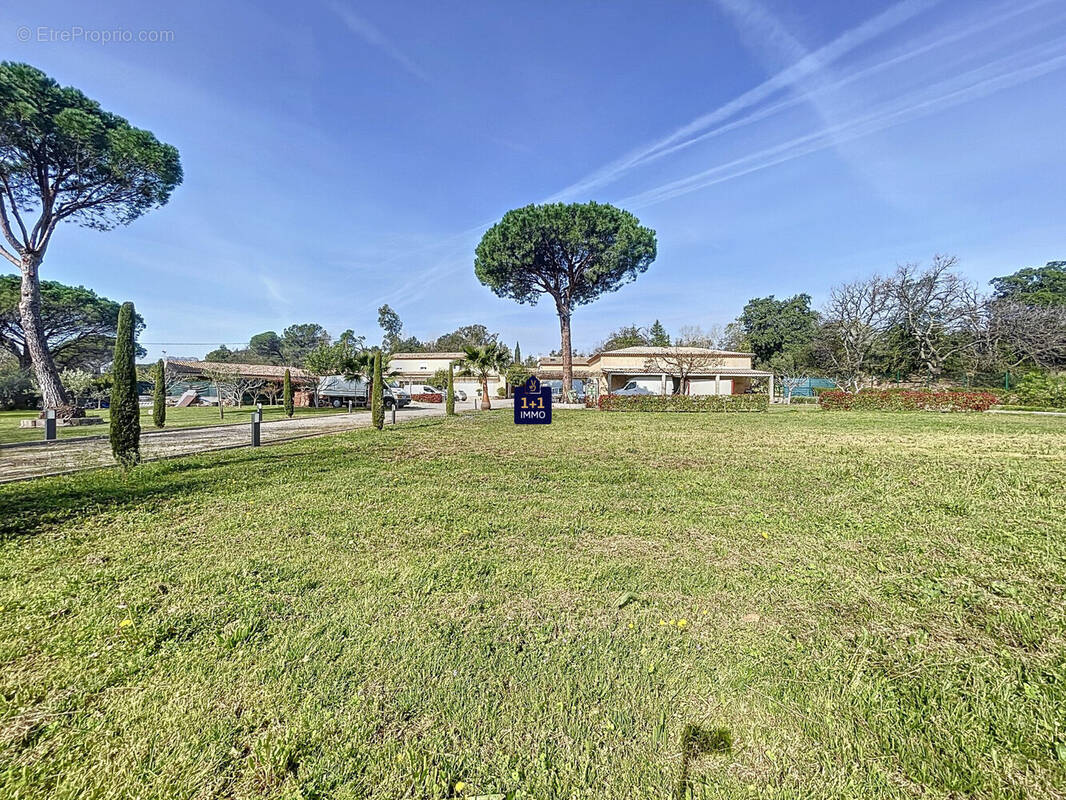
x=370 y=34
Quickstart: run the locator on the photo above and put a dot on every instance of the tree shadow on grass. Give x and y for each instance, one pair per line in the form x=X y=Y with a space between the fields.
x=31 y=507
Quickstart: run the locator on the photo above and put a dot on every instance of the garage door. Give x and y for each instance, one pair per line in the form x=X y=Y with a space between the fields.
x=706 y=386
x=470 y=387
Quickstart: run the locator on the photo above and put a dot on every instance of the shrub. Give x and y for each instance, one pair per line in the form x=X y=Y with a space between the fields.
x=1043 y=389
x=905 y=400
x=516 y=375
x=449 y=408
x=125 y=406
x=436 y=397
x=159 y=395
x=684 y=402
x=286 y=393
x=377 y=394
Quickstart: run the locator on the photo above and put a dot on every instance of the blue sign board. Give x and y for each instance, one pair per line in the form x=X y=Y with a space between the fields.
x=532 y=403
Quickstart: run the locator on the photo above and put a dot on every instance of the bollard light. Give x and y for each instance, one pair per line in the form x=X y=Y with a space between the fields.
x=257 y=417
x=50 y=425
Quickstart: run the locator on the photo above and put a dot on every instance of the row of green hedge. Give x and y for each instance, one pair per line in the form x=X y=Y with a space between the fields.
x=1042 y=389
x=906 y=400
x=684 y=402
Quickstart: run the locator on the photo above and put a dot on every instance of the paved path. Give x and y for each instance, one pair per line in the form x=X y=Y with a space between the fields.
x=66 y=455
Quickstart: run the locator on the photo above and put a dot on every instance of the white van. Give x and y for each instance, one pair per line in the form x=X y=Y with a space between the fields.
x=336 y=390
x=638 y=385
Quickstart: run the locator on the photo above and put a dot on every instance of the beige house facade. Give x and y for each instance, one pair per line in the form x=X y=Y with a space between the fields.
x=663 y=369
x=657 y=369
x=417 y=369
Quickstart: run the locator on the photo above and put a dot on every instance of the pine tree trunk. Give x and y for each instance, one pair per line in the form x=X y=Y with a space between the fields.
x=51 y=388
x=568 y=359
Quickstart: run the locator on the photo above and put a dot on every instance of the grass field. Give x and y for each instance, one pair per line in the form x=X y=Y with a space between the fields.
x=780 y=605
x=176 y=418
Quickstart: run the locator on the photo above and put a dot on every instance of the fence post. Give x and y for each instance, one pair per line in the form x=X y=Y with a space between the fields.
x=50 y=425
x=349 y=406
x=257 y=417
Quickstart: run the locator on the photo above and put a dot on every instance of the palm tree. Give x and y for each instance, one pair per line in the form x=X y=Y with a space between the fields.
x=361 y=365
x=482 y=363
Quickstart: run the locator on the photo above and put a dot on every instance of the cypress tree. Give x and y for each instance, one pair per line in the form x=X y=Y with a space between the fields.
x=449 y=407
x=658 y=336
x=286 y=392
x=125 y=410
x=159 y=396
x=517 y=353
x=377 y=398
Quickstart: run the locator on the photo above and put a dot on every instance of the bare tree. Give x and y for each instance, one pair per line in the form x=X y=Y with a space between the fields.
x=856 y=317
x=1019 y=334
x=695 y=336
x=790 y=373
x=230 y=385
x=940 y=310
x=684 y=362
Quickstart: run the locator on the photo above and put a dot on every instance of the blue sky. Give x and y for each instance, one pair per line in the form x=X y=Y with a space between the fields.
x=341 y=155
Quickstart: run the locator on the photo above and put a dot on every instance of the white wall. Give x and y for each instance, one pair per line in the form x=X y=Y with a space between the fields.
x=706 y=386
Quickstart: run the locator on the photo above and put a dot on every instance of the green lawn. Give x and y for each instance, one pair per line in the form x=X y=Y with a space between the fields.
x=176 y=418
x=830 y=604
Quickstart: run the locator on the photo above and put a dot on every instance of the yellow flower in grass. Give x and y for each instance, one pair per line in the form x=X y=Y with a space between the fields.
x=765 y=535
x=459 y=786
x=125 y=623
x=681 y=623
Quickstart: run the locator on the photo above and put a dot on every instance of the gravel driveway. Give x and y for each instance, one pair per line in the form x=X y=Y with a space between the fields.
x=33 y=460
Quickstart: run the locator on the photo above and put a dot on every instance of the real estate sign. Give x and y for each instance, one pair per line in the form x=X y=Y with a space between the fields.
x=532 y=403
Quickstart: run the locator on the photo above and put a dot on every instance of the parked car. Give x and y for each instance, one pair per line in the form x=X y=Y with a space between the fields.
x=633 y=387
x=338 y=391
x=403 y=397
x=460 y=395
x=425 y=388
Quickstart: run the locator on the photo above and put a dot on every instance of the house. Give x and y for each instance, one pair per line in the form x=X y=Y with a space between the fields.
x=550 y=372
x=662 y=369
x=251 y=380
x=659 y=369
x=416 y=369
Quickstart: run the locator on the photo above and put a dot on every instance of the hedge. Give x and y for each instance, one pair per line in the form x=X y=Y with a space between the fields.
x=1047 y=390
x=428 y=398
x=905 y=400
x=684 y=402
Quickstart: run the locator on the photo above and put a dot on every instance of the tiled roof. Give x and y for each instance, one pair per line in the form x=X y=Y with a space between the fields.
x=642 y=350
x=194 y=367
x=557 y=361
x=395 y=356
x=555 y=373
x=705 y=372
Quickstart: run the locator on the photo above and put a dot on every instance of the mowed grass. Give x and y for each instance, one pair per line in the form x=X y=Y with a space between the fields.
x=191 y=417
x=616 y=606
